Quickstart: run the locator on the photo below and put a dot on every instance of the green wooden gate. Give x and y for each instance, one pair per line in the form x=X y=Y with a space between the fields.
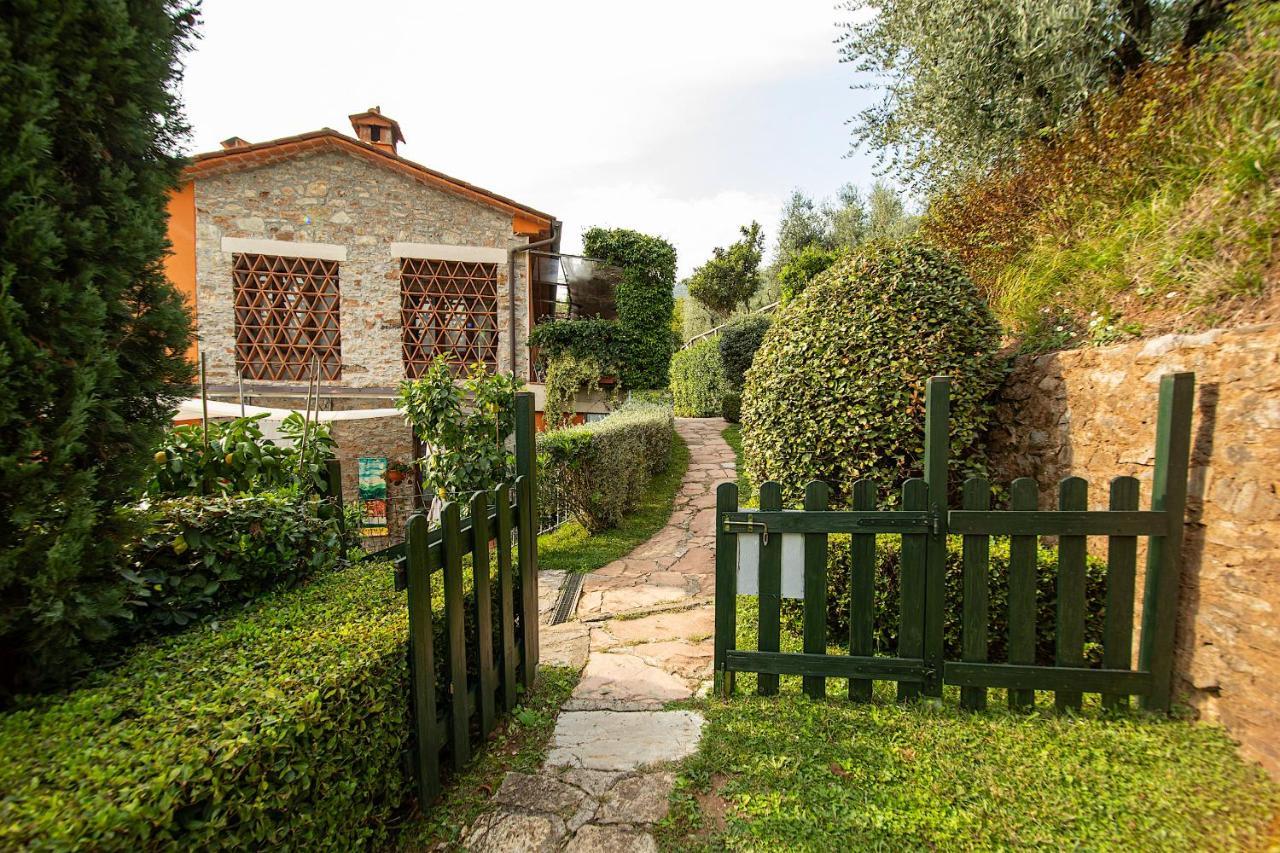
x=773 y=553
x=473 y=666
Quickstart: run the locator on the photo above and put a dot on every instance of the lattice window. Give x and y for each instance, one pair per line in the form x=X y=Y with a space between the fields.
x=448 y=308
x=286 y=316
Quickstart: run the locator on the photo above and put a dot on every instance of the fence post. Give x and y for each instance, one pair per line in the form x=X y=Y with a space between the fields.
x=527 y=476
x=726 y=608
x=333 y=485
x=936 y=417
x=422 y=649
x=1164 y=553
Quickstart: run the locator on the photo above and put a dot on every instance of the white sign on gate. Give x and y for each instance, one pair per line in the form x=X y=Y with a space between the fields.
x=792 y=564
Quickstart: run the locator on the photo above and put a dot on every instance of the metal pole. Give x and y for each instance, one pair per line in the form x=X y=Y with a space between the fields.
x=204 y=402
x=240 y=389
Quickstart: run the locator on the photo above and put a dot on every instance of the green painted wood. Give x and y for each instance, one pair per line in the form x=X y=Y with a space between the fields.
x=1164 y=553
x=454 y=603
x=911 y=585
x=975 y=560
x=1083 y=523
x=506 y=594
x=483 y=598
x=816 y=495
x=770 y=589
x=1073 y=494
x=1024 y=496
x=1016 y=676
x=422 y=650
x=937 y=416
x=527 y=470
x=862 y=589
x=726 y=607
x=1122 y=561
x=835 y=521
x=902 y=670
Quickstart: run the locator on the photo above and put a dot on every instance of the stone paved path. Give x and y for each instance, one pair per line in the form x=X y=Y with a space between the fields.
x=642 y=636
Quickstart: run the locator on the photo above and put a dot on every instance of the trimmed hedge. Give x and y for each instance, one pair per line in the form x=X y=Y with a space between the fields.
x=739 y=341
x=731 y=407
x=200 y=556
x=888 y=550
x=284 y=728
x=601 y=469
x=698 y=383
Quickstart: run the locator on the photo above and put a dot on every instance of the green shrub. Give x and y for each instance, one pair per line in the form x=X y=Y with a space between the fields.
x=200 y=556
x=836 y=391
x=731 y=407
x=283 y=728
x=601 y=469
x=794 y=276
x=644 y=298
x=697 y=380
x=739 y=341
x=887 y=599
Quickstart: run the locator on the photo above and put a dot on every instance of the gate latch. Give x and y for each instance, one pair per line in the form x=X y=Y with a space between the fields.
x=747 y=526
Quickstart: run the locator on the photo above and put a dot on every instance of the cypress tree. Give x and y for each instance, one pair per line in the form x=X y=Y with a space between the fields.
x=92 y=335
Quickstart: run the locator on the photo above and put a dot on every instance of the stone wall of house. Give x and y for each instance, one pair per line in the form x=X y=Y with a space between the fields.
x=1091 y=413
x=389 y=437
x=338 y=198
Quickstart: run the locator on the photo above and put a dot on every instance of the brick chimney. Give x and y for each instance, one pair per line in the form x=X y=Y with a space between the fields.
x=234 y=142
x=373 y=127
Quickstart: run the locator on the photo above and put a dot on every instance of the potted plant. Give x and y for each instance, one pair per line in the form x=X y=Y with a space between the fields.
x=398 y=471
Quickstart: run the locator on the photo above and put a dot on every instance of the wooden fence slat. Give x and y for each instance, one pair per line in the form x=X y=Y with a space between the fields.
x=862 y=589
x=454 y=603
x=911 y=585
x=1059 y=523
x=422 y=645
x=480 y=567
x=506 y=594
x=1024 y=496
x=770 y=588
x=1073 y=494
x=831 y=666
x=527 y=508
x=726 y=614
x=816 y=494
x=976 y=555
x=1122 y=561
x=1057 y=678
x=1164 y=553
x=937 y=416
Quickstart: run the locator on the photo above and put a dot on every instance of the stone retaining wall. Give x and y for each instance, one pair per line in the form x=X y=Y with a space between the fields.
x=1091 y=413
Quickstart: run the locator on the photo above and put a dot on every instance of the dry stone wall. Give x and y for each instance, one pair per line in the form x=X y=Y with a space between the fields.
x=1091 y=413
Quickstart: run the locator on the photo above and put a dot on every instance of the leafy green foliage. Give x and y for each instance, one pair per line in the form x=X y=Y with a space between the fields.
x=731 y=407
x=732 y=436
x=732 y=276
x=92 y=335
x=602 y=468
x=464 y=425
x=238 y=459
x=836 y=390
x=571 y=548
x=738 y=343
x=698 y=382
x=644 y=298
x=803 y=267
x=968 y=83
x=567 y=376
x=584 y=338
x=199 y=556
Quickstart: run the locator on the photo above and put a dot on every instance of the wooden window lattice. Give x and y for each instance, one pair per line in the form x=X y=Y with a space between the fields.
x=448 y=308
x=287 y=315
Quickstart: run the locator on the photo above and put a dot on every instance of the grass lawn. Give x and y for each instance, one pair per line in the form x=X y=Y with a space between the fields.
x=732 y=435
x=518 y=744
x=787 y=772
x=571 y=548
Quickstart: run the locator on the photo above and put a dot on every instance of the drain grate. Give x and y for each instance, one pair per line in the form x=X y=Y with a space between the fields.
x=568 y=599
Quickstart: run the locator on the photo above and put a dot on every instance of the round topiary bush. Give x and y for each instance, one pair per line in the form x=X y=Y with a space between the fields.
x=739 y=341
x=836 y=390
x=697 y=380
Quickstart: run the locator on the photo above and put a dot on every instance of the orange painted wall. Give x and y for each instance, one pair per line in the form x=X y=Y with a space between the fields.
x=180 y=264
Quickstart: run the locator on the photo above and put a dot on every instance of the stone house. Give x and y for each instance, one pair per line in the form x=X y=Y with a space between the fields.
x=334 y=252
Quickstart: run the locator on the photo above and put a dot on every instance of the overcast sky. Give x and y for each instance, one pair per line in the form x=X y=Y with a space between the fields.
x=683 y=119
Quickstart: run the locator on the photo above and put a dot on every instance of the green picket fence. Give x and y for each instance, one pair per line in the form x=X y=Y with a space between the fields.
x=776 y=553
x=485 y=651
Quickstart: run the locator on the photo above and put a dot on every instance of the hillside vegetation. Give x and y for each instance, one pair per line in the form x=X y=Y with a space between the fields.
x=1157 y=211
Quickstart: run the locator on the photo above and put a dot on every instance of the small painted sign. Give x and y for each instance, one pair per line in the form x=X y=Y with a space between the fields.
x=792 y=564
x=372 y=490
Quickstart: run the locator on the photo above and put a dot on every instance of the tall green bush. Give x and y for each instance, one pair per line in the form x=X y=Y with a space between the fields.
x=698 y=383
x=738 y=343
x=644 y=298
x=92 y=335
x=836 y=391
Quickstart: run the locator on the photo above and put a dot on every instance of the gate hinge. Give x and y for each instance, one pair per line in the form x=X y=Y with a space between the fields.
x=936 y=522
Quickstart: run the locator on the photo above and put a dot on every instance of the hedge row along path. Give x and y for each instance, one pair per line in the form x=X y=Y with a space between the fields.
x=643 y=638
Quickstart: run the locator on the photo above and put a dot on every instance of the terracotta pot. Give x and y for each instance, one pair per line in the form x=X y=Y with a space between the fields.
x=395 y=476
